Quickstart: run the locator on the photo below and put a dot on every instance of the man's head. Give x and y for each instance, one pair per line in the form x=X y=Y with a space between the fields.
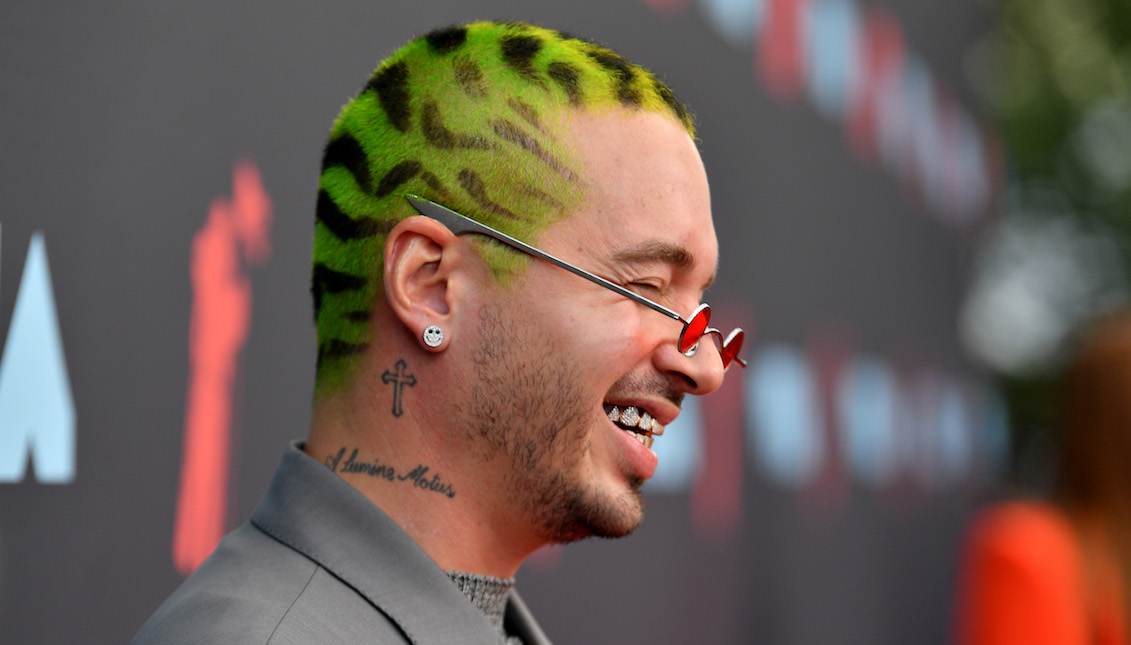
x=565 y=146
x=468 y=117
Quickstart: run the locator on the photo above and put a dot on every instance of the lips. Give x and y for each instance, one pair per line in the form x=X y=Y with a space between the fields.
x=637 y=422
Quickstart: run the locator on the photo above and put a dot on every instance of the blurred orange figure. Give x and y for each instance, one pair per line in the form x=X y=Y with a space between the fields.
x=221 y=319
x=1059 y=572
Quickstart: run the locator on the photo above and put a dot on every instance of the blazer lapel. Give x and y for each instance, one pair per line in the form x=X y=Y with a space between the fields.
x=315 y=512
x=518 y=621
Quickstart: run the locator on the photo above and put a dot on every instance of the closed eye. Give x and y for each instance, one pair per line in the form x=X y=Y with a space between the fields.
x=645 y=286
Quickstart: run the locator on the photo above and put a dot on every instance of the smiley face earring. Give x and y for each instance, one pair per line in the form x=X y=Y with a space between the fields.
x=433 y=336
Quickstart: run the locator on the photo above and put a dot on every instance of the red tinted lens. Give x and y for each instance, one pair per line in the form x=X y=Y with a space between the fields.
x=731 y=346
x=694 y=329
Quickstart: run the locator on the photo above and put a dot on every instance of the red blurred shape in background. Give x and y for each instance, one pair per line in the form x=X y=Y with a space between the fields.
x=221 y=316
x=778 y=56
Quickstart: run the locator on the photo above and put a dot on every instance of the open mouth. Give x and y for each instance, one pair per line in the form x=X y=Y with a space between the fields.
x=638 y=423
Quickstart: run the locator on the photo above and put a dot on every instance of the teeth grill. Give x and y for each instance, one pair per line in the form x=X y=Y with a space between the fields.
x=645 y=426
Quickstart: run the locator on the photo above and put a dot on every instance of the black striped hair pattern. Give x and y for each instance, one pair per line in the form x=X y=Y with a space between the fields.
x=468 y=117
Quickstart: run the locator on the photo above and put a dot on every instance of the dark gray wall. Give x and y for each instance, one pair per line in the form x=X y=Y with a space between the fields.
x=121 y=122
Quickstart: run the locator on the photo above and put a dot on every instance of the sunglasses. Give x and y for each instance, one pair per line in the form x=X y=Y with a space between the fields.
x=695 y=327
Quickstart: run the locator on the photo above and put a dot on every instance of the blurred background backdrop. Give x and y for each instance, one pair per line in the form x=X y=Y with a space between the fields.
x=917 y=204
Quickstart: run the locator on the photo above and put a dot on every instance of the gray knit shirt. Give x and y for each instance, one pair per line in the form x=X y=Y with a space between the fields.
x=489 y=595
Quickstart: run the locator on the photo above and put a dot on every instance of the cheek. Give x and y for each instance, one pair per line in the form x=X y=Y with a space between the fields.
x=625 y=340
x=577 y=330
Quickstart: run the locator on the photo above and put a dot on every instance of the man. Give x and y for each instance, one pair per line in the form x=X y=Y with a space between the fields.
x=473 y=402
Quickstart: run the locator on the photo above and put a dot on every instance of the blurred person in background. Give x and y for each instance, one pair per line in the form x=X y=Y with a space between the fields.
x=1058 y=572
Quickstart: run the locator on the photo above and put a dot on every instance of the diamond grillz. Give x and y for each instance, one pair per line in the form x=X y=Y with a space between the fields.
x=632 y=417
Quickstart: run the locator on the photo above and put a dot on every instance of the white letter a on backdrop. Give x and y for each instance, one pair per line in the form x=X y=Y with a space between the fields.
x=37 y=411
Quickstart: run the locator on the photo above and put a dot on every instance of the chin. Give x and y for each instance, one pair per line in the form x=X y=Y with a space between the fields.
x=577 y=514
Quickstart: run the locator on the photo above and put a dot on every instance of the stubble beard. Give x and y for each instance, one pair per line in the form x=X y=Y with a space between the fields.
x=528 y=409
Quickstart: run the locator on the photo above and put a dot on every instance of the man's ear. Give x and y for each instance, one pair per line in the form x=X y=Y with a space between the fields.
x=421 y=255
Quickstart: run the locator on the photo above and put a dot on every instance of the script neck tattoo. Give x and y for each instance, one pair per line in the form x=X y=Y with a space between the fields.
x=417 y=477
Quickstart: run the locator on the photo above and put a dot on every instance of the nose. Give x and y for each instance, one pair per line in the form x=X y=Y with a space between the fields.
x=700 y=373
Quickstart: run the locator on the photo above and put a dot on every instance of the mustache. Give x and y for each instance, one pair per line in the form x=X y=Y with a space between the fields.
x=648 y=384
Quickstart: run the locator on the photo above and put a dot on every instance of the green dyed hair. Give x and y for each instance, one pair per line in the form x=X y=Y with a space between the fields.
x=461 y=116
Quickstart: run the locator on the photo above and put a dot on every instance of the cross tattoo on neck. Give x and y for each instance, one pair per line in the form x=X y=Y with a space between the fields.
x=398 y=379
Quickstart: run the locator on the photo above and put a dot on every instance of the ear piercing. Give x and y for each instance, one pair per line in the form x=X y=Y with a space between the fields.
x=433 y=336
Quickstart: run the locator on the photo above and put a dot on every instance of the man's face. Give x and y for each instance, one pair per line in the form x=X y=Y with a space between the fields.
x=555 y=352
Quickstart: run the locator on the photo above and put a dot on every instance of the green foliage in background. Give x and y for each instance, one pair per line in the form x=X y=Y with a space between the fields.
x=1061 y=94
x=1057 y=77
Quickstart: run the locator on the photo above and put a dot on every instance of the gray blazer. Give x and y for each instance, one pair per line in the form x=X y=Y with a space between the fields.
x=320 y=563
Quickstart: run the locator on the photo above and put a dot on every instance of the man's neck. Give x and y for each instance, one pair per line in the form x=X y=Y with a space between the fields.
x=446 y=502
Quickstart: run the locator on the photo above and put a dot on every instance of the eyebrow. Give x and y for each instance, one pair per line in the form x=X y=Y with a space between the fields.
x=656 y=251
